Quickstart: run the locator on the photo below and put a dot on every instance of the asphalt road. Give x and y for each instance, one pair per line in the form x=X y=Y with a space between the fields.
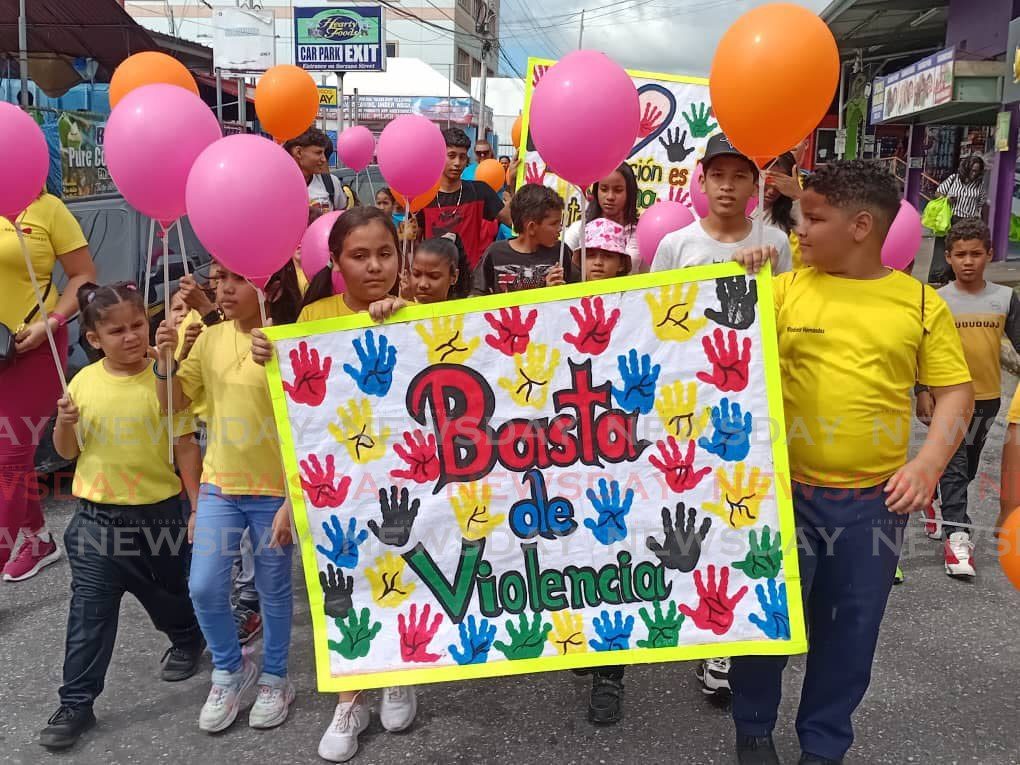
x=944 y=687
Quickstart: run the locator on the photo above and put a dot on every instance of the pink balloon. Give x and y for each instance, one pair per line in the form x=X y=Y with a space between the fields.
x=412 y=154
x=248 y=203
x=904 y=238
x=658 y=220
x=152 y=139
x=584 y=117
x=315 y=244
x=24 y=158
x=355 y=147
x=700 y=200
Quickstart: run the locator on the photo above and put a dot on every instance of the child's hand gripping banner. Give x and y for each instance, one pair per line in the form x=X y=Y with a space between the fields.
x=552 y=479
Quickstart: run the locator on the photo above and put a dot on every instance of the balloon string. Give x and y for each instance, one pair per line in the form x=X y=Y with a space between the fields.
x=371 y=185
x=563 y=239
x=184 y=251
x=169 y=353
x=148 y=258
x=262 y=306
x=584 y=219
x=407 y=243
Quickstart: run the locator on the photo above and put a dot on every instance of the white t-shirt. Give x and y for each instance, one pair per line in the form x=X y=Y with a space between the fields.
x=318 y=195
x=692 y=246
x=572 y=238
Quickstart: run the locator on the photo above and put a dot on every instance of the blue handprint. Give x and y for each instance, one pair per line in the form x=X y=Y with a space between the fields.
x=615 y=632
x=776 y=621
x=731 y=439
x=476 y=638
x=611 y=525
x=639 y=378
x=376 y=374
x=345 y=546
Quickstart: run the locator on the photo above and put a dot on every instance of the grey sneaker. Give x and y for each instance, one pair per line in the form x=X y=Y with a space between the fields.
x=340 y=741
x=224 y=699
x=398 y=708
x=272 y=704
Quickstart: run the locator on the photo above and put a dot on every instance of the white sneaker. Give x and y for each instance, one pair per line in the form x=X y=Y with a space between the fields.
x=714 y=675
x=273 y=702
x=959 y=555
x=224 y=699
x=340 y=741
x=398 y=708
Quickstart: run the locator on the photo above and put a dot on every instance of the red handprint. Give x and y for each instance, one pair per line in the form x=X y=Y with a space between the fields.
x=594 y=330
x=681 y=195
x=729 y=366
x=538 y=73
x=512 y=332
x=532 y=174
x=415 y=635
x=320 y=484
x=420 y=456
x=649 y=120
x=309 y=386
x=678 y=468
x=715 y=609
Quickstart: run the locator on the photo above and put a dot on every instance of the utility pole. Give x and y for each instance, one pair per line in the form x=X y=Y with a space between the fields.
x=23 y=53
x=580 y=34
x=483 y=26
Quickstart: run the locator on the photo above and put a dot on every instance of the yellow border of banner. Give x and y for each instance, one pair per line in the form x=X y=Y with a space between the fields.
x=770 y=351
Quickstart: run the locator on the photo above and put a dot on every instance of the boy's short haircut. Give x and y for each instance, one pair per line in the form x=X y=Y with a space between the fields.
x=311 y=137
x=856 y=183
x=967 y=229
x=456 y=139
x=533 y=202
x=504 y=156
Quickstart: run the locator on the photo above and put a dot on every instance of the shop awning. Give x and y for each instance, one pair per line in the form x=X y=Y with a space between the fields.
x=887 y=27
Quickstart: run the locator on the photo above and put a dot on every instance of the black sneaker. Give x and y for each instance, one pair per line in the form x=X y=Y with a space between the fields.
x=605 y=706
x=248 y=622
x=810 y=759
x=181 y=663
x=756 y=750
x=65 y=727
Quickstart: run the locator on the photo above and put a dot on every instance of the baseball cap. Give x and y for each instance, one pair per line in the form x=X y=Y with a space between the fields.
x=719 y=146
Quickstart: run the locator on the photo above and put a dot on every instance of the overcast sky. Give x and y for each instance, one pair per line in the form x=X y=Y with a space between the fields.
x=673 y=36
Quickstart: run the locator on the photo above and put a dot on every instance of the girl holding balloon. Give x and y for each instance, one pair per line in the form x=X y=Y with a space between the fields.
x=614 y=198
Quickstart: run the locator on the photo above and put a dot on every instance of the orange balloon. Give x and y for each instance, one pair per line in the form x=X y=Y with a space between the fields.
x=149 y=68
x=287 y=101
x=489 y=171
x=422 y=200
x=773 y=77
x=515 y=132
x=1009 y=547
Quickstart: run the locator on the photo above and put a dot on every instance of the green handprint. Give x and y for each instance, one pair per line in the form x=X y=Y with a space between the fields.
x=358 y=634
x=764 y=560
x=698 y=121
x=663 y=631
x=528 y=642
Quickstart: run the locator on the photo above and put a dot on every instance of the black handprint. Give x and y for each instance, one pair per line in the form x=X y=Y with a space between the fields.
x=737 y=301
x=681 y=548
x=676 y=145
x=397 y=516
x=336 y=592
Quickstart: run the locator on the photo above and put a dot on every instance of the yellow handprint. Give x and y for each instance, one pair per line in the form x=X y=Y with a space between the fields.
x=534 y=373
x=387 y=589
x=677 y=407
x=445 y=342
x=356 y=432
x=471 y=506
x=568 y=635
x=740 y=501
x=671 y=313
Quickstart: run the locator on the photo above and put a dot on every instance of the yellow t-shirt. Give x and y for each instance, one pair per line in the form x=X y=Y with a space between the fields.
x=850 y=352
x=198 y=407
x=327 y=308
x=1013 y=415
x=243 y=453
x=52 y=232
x=126 y=457
x=795 y=252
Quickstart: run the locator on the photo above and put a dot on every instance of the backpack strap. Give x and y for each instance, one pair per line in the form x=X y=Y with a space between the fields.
x=330 y=184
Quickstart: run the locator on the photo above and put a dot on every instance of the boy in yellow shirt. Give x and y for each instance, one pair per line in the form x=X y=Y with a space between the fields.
x=853 y=338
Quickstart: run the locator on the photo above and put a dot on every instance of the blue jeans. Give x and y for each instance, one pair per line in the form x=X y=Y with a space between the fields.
x=222 y=518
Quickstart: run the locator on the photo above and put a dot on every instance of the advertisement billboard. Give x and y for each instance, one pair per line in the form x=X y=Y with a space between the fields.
x=346 y=39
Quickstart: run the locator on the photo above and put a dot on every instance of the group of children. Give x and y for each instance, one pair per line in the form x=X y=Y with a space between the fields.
x=846 y=325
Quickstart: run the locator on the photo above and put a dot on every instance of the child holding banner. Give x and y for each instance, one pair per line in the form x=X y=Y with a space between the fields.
x=613 y=198
x=864 y=333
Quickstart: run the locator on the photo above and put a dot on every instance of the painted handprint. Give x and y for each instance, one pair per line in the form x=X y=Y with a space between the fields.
x=677 y=406
x=310 y=375
x=377 y=362
x=416 y=633
x=729 y=365
x=671 y=313
x=471 y=508
x=681 y=546
x=775 y=621
x=476 y=638
x=512 y=332
x=398 y=514
x=357 y=631
x=420 y=455
x=741 y=496
x=384 y=579
x=737 y=302
x=594 y=329
x=715 y=607
x=678 y=467
x=533 y=173
x=613 y=632
x=651 y=118
x=731 y=438
x=681 y=195
x=535 y=371
x=611 y=525
x=336 y=591
x=764 y=559
x=663 y=629
x=567 y=635
x=637 y=382
x=698 y=121
x=344 y=550
x=527 y=641
x=444 y=341
x=320 y=483
x=676 y=146
x=357 y=433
